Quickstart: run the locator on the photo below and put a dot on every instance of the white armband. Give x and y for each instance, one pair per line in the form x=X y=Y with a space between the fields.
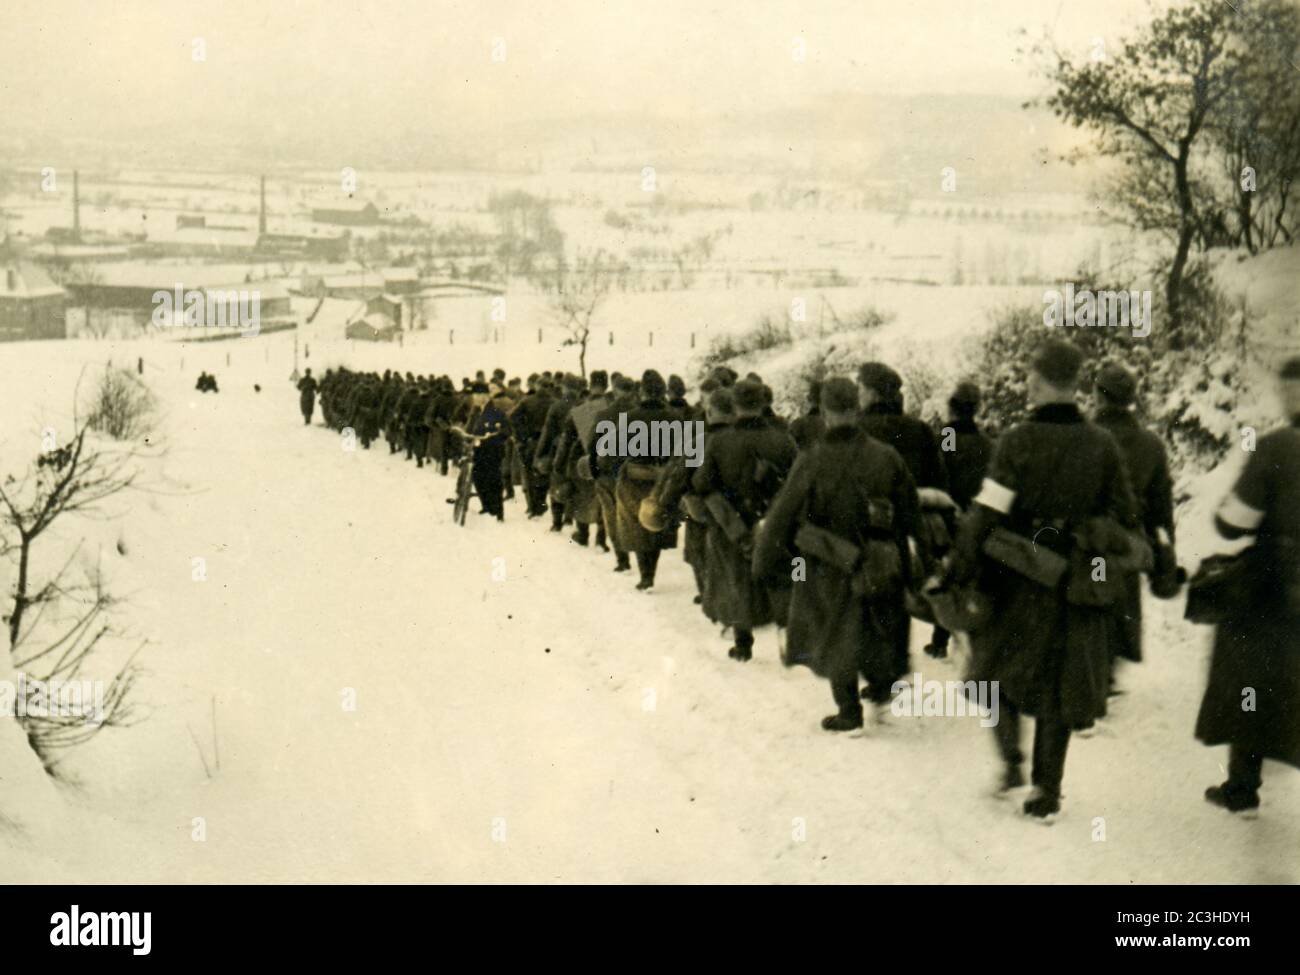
x=1238 y=514
x=994 y=495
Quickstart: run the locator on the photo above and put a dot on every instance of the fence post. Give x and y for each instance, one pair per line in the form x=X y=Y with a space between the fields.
x=692 y=340
x=611 y=338
x=451 y=336
x=652 y=339
x=539 y=336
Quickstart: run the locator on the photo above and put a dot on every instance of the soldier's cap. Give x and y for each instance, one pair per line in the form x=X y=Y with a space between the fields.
x=721 y=402
x=724 y=376
x=498 y=373
x=839 y=395
x=881 y=379
x=624 y=384
x=575 y=383
x=967 y=393
x=1290 y=368
x=1117 y=384
x=479 y=387
x=676 y=385
x=599 y=379
x=652 y=385
x=1058 y=362
x=748 y=397
x=709 y=385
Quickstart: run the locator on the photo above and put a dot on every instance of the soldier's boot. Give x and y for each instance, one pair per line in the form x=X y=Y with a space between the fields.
x=1232 y=797
x=582 y=535
x=744 y=648
x=601 y=542
x=1012 y=778
x=624 y=563
x=1043 y=803
x=938 y=645
x=647 y=563
x=843 y=721
x=557 y=516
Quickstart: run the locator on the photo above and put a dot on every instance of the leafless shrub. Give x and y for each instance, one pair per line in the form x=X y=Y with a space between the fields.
x=56 y=622
x=122 y=406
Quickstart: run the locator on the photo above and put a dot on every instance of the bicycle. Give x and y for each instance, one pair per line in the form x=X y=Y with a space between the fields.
x=464 y=485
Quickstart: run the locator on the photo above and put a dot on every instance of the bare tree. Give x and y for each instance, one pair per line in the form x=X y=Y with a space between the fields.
x=580 y=290
x=1148 y=104
x=55 y=623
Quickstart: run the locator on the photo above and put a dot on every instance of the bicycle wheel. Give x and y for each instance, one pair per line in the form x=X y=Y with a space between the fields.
x=464 y=491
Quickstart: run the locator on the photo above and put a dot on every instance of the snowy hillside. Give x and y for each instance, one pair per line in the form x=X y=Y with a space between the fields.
x=554 y=725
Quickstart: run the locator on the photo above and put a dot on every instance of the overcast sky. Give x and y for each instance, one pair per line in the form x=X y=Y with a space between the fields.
x=89 y=64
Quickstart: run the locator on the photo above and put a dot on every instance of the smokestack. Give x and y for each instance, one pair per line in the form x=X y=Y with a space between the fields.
x=261 y=211
x=76 y=205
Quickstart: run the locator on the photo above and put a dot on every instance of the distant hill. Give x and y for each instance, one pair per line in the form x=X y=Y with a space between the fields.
x=994 y=144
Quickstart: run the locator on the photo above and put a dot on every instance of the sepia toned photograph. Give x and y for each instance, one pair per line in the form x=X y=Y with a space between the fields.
x=497 y=442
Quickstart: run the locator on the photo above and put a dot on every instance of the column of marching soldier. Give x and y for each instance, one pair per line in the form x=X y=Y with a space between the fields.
x=848 y=522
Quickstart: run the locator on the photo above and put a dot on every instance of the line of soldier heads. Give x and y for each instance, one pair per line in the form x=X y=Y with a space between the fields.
x=1054 y=373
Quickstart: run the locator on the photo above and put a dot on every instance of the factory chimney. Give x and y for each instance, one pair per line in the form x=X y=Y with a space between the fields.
x=261 y=212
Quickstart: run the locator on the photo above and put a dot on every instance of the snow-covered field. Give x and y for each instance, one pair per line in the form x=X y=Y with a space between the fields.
x=554 y=725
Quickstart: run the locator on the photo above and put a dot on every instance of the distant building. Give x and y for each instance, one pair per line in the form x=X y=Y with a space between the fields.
x=130 y=286
x=32 y=306
x=375 y=326
x=390 y=305
x=362 y=284
x=313 y=246
x=352 y=213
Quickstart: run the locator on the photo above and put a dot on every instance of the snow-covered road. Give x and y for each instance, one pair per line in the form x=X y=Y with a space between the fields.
x=554 y=725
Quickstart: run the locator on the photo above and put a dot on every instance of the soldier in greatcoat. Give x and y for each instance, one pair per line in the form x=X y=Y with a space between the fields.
x=1252 y=700
x=1055 y=481
x=745 y=464
x=853 y=489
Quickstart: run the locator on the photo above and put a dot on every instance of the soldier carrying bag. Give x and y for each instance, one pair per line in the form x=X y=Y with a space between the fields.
x=1105 y=553
x=875 y=567
x=1020 y=554
x=728 y=519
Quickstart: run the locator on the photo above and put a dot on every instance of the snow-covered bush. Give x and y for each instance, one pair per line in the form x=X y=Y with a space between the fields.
x=1198 y=397
x=122 y=406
